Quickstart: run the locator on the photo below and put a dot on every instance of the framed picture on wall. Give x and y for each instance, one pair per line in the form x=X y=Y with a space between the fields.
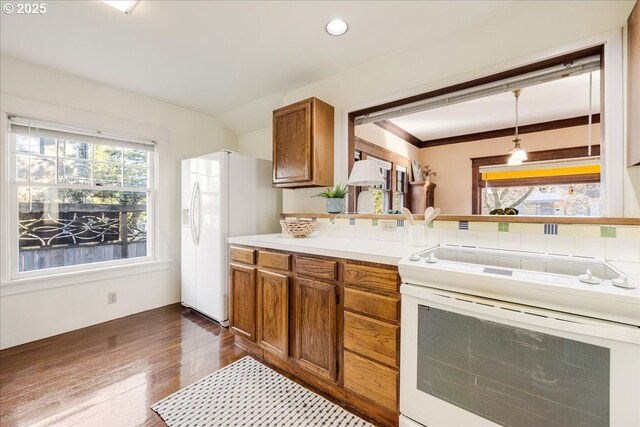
x=415 y=169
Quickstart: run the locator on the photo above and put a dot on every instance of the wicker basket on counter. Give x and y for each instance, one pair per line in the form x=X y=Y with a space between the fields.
x=298 y=227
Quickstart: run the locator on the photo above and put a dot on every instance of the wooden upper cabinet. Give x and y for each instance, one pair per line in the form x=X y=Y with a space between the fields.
x=316 y=327
x=273 y=313
x=303 y=145
x=242 y=300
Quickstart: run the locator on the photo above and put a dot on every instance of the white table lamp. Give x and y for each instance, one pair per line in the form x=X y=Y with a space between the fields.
x=364 y=174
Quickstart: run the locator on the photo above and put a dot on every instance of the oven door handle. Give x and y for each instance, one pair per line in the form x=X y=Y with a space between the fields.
x=523 y=316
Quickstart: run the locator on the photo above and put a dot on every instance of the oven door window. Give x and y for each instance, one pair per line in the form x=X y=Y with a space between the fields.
x=511 y=376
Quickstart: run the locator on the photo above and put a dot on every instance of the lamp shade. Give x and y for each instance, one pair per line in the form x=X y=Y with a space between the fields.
x=365 y=173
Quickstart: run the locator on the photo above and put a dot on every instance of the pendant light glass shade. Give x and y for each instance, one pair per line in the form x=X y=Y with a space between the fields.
x=518 y=154
x=517 y=157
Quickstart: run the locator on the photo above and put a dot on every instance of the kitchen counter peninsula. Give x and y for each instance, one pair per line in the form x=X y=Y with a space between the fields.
x=378 y=251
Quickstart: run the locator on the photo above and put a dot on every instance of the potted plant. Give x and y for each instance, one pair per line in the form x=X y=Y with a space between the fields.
x=428 y=174
x=335 y=198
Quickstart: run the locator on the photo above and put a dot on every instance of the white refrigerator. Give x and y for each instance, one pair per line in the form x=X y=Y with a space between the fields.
x=224 y=194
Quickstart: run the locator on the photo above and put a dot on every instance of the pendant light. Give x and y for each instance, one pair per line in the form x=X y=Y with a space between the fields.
x=518 y=154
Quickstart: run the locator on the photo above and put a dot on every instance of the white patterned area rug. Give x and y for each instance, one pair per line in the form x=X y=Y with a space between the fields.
x=248 y=393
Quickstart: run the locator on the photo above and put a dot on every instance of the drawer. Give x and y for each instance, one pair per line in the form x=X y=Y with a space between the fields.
x=243 y=255
x=372 y=304
x=316 y=267
x=372 y=338
x=371 y=278
x=274 y=260
x=372 y=381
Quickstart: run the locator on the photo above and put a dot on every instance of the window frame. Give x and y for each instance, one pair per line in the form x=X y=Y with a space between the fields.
x=15 y=275
x=401 y=193
x=386 y=188
x=477 y=183
x=609 y=44
x=515 y=183
x=366 y=149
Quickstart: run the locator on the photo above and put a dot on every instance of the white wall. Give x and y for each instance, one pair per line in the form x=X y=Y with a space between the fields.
x=441 y=63
x=48 y=94
x=632 y=192
x=453 y=164
x=256 y=144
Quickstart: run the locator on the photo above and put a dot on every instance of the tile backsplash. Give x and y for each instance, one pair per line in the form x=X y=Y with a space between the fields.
x=618 y=244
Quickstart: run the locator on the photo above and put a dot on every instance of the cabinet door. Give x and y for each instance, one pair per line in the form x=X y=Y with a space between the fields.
x=273 y=312
x=292 y=151
x=315 y=328
x=242 y=300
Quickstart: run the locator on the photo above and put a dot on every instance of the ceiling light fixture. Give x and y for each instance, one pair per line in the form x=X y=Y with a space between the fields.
x=337 y=27
x=518 y=154
x=125 y=6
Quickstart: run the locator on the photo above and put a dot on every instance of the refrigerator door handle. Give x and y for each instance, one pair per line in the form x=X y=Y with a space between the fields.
x=191 y=213
x=199 y=206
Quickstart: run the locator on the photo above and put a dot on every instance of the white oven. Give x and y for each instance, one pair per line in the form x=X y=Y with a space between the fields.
x=476 y=361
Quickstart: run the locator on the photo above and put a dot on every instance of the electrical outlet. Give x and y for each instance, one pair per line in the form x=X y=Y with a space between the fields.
x=112 y=297
x=387 y=225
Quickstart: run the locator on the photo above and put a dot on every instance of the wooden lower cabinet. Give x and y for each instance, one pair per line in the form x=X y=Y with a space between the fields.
x=332 y=323
x=322 y=269
x=371 y=278
x=371 y=380
x=370 y=304
x=242 y=300
x=242 y=255
x=315 y=327
x=371 y=338
x=273 y=312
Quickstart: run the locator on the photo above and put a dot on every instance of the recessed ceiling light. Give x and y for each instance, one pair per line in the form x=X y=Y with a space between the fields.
x=125 y=6
x=337 y=27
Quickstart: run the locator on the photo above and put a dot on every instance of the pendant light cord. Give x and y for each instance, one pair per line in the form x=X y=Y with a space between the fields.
x=517 y=94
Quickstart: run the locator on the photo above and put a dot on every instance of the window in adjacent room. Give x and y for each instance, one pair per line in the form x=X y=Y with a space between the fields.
x=391 y=196
x=382 y=192
x=569 y=186
x=553 y=199
x=79 y=197
x=401 y=185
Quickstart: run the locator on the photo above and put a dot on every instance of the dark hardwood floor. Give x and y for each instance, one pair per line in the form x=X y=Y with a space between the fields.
x=110 y=374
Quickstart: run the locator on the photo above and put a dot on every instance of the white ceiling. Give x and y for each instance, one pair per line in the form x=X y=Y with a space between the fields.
x=211 y=55
x=218 y=56
x=560 y=99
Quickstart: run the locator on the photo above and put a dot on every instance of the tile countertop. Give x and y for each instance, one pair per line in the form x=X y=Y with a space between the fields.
x=382 y=252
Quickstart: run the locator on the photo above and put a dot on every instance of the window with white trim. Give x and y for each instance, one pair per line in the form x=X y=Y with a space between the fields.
x=382 y=192
x=401 y=187
x=78 y=197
